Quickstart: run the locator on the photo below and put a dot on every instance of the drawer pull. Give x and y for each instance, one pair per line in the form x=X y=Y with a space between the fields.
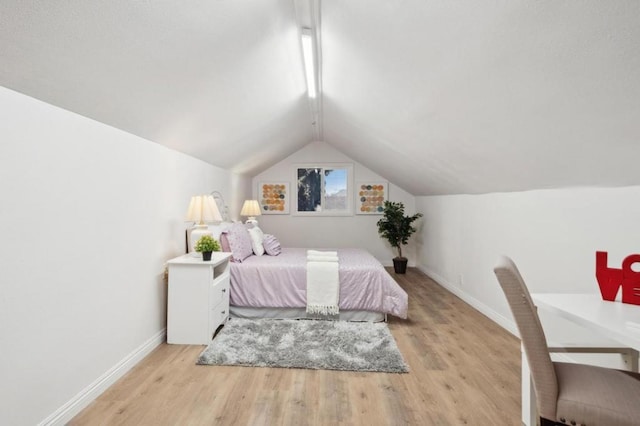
x=224 y=290
x=223 y=312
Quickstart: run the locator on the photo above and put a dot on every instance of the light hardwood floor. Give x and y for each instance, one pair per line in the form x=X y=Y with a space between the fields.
x=465 y=369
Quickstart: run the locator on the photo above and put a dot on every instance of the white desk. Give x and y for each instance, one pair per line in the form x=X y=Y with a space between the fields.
x=614 y=320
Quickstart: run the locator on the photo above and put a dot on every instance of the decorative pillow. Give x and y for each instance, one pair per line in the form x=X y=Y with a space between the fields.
x=224 y=242
x=257 y=236
x=271 y=245
x=239 y=242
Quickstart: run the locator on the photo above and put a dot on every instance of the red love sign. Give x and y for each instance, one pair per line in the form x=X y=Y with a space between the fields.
x=610 y=279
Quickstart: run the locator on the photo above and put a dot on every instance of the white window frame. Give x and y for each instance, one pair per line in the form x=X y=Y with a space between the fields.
x=347 y=212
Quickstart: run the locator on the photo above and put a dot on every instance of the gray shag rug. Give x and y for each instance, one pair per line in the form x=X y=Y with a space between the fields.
x=313 y=344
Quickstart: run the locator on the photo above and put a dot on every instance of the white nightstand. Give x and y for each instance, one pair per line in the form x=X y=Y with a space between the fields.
x=198 y=300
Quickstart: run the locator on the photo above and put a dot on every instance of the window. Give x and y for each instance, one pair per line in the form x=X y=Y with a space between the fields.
x=324 y=190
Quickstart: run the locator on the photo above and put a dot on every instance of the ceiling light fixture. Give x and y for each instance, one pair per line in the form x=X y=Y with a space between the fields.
x=309 y=61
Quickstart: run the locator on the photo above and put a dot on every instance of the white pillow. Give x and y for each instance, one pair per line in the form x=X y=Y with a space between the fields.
x=257 y=236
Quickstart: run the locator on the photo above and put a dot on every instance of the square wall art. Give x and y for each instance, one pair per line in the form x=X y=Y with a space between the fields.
x=370 y=197
x=274 y=197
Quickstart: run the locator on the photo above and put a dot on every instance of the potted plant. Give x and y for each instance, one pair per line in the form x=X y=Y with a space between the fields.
x=207 y=244
x=397 y=228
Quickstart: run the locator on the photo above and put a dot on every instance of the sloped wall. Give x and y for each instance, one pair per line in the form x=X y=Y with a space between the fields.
x=330 y=232
x=88 y=218
x=552 y=235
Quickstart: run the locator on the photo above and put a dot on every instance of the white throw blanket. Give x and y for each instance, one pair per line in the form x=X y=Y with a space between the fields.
x=322 y=258
x=322 y=253
x=323 y=284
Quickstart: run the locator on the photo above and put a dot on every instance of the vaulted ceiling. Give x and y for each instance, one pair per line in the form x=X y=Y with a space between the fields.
x=439 y=97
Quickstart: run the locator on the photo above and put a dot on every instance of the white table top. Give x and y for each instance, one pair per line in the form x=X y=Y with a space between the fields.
x=217 y=257
x=615 y=320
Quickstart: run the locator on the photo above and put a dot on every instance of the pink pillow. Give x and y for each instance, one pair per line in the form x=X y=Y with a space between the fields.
x=271 y=245
x=224 y=242
x=239 y=242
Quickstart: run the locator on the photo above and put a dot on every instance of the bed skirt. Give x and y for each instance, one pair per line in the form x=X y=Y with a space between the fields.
x=301 y=313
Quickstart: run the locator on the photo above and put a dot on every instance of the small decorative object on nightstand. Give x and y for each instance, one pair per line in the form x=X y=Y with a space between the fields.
x=198 y=299
x=205 y=245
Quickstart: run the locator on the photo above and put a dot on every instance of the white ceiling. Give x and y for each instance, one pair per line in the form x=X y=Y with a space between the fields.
x=439 y=97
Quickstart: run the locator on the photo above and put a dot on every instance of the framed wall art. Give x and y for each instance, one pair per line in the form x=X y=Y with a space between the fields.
x=274 y=197
x=370 y=197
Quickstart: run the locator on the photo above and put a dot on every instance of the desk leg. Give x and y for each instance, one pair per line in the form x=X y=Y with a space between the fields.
x=529 y=411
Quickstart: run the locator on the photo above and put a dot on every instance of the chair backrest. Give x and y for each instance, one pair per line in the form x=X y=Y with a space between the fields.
x=524 y=312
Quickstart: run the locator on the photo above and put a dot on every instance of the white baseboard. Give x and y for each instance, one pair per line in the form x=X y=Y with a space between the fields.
x=501 y=320
x=65 y=413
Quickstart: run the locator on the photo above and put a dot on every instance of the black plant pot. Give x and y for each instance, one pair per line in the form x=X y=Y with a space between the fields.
x=206 y=255
x=400 y=265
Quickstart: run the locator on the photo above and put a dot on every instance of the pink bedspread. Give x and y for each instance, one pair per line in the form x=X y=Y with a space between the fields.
x=281 y=282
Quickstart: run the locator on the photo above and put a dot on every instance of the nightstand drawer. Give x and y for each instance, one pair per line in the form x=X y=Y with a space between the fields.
x=218 y=315
x=219 y=290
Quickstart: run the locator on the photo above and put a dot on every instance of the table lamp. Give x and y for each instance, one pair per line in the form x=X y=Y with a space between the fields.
x=251 y=208
x=202 y=208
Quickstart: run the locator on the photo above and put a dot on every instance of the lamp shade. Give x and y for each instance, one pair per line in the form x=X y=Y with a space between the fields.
x=250 y=208
x=203 y=208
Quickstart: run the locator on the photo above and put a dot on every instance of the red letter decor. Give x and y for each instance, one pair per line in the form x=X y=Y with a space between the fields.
x=610 y=279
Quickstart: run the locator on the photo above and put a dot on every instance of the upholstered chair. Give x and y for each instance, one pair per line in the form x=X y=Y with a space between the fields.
x=571 y=394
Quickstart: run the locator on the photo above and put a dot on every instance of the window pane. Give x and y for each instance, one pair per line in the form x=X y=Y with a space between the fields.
x=335 y=189
x=309 y=190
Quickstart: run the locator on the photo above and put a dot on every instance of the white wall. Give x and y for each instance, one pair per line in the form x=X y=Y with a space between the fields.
x=552 y=235
x=330 y=232
x=89 y=215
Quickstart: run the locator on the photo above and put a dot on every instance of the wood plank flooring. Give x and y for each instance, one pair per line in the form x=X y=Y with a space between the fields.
x=464 y=369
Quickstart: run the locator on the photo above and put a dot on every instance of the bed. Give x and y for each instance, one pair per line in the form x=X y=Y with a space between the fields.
x=275 y=287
